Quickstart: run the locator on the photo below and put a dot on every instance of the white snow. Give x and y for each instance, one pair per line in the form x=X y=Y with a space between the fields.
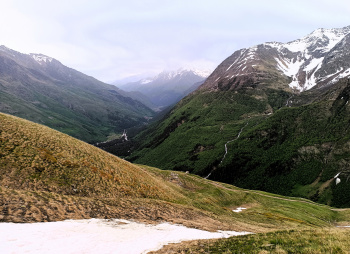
x=289 y=67
x=296 y=46
x=202 y=73
x=239 y=209
x=146 y=81
x=313 y=67
x=337 y=75
x=231 y=65
x=313 y=64
x=274 y=44
x=332 y=36
x=337 y=181
x=238 y=58
x=343 y=74
x=41 y=58
x=96 y=236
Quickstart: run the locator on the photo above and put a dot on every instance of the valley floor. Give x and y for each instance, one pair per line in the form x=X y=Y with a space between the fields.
x=97 y=236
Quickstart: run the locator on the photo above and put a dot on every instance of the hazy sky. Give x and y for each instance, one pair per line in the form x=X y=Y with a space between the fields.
x=112 y=39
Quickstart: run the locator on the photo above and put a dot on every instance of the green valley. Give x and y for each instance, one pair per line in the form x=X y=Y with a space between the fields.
x=293 y=151
x=43 y=90
x=49 y=176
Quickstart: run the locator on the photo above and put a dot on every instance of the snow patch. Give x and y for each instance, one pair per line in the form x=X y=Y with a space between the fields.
x=146 y=81
x=41 y=58
x=239 y=209
x=313 y=64
x=97 y=236
x=289 y=67
x=337 y=181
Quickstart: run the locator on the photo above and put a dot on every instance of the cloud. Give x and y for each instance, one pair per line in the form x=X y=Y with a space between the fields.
x=112 y=39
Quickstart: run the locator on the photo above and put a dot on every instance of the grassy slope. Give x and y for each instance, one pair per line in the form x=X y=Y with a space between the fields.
x=281 y=242
x=193 y=136
x=46 y=176
x=297 y=151
x=294 y=151
x=64 y=99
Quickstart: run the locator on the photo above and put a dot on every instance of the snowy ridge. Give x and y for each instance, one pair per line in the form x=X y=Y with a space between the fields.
x=308 y=56
x=320 y=58
x=183 y=71
x=41 y=58
x=201 y=73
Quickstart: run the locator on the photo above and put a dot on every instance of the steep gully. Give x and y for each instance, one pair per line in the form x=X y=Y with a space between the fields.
x=239 y=134
x=288 y=102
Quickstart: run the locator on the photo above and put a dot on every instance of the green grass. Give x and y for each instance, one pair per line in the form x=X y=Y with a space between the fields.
x=284 y=152
x=36 y=160
x=291 y=241
x=70 y=102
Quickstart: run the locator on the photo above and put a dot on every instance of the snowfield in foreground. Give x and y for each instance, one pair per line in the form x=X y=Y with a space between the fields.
x=97 y=236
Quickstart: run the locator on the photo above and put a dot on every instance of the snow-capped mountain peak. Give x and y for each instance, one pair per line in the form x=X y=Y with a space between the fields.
x=320 y=58
x=311 y=52
x=168 y=87
x=321 y=40
x=204 y=73
x=181 y=72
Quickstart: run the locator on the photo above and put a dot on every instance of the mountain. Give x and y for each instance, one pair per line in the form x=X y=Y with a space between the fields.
x=130 y=79
x=318 y=59
x=40 y=88
x=168 y=87
x=46 y=175
x=272 y=117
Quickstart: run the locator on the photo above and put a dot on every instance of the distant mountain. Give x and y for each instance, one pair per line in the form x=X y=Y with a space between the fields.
x=41 y=89
x=168 y=87
x=272 y=117
x=130 y=79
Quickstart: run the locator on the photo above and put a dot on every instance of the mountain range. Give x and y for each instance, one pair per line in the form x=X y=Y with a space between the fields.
x=272 y=117
x=41 y=89
x=317 y=59
x=168 y=87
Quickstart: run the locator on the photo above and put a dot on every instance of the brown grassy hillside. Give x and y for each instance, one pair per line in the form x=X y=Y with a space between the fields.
x=34 y=157
x=47 y=176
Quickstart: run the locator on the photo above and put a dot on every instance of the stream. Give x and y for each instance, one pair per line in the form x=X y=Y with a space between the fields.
x=226 y=150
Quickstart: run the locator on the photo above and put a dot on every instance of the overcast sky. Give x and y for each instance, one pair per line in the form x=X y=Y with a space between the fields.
x=113 y=39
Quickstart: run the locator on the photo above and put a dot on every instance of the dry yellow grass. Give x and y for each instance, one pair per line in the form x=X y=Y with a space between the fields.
x=34 y=157
x=46 y=176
